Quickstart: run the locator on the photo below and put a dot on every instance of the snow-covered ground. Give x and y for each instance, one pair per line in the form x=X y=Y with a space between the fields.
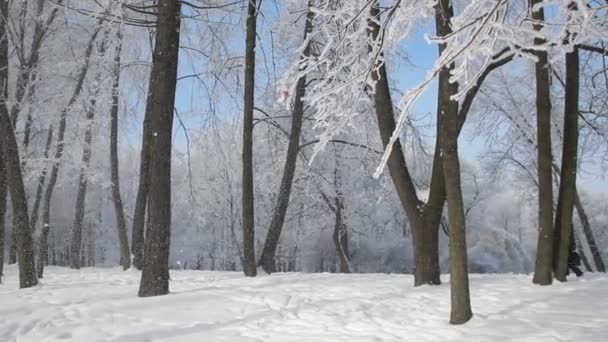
x=101 y=305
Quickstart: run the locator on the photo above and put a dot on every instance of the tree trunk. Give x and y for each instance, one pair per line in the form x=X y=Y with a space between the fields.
x=41 y=181
x=426 y=256
x=155 y=274
x=121 y=226
x=280 y=210
x=143 y=188
x=82 y=184
x=249 y=264
x=3 y=193
x=450 y=128
x=48 y=195
x=43 y=252
x=340 y=237
x=544 y=252
x=567 y=186
x=14 y=178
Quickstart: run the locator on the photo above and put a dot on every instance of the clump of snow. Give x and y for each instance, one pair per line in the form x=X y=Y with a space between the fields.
x=101 y=305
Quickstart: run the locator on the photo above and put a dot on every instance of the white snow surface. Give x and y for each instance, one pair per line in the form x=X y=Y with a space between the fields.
x=96 y=304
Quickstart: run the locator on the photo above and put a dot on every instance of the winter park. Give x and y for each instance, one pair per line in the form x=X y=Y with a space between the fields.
x=303 y=170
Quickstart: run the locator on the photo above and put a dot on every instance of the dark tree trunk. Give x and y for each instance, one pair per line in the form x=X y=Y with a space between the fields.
x=143 y=188
x=121 y=226
x=280 y=210
x=155 y=274
x=43 y=252
x=567 y=186
x=249 y=264
x=48 y=195
x=426 y=255
x=340 y=237
x=12 y=165
x=544 y=252
x=3 y=193
x=450 y=128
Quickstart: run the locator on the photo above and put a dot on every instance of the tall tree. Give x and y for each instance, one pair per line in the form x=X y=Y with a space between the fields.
x=121 y=226
x=143 y=188
x=544 y=251
x=155 y=273
x=249 y=264
x=450 y=127
x=280 y=210
x=12 y=162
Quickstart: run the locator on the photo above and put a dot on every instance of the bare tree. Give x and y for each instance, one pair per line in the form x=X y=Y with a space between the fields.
x=544 y=250
x=280 y=210
x=12 y=162
x=249 y=264
x=121 y=226
x=155 y=274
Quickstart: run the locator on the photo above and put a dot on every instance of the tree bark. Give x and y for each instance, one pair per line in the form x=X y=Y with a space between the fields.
x=155 y=274
x=544 y=252
x=450 y=126
x=340 y=237
x=3 y=193
x=43 y=252
x=280 y=210
x=143 y=188
x=12 y=164
x=121 y=226
x=567 y=186
x=249 y=264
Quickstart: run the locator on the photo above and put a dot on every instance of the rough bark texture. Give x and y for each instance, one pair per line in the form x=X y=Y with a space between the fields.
x=248 y=221
x=143 y=188
x=121 y=226
x=48 y=195
x=567 y=186
x=459 y=278
x=155 y=273
x=544 y=251
x=280 y=210
x=12 y=164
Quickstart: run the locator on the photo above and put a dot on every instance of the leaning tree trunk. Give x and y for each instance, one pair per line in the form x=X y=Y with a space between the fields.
x=280 y=210
x=48 y=195
x=340 y=237
x=249 y=264
x=3 y=193
x=143 y=188
x=75 y=246
x=43 y=252
x=544 y=251
x=121 y=226
x=12 y=165
x=155 y=274
x=595 y=251
x=567 y=186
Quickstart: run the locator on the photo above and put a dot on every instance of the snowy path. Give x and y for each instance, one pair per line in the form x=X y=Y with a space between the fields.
x=101 y=305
